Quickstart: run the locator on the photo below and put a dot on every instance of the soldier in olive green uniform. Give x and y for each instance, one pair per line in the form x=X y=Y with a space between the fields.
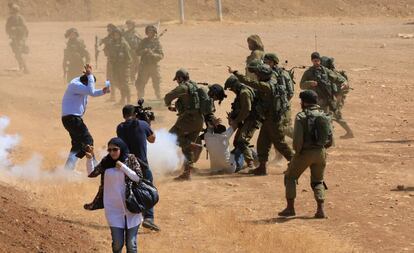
x=257 y=52
x=119 y=57
x=133 y=39
x=283 y=77
x=107 y=42
x=271 y=109
x=193 y=106
x=343 y=91
x=75 y=55
x=151 y=54
x=243 y=117
x=17 y=30
x=325 y=83
x=312 y=133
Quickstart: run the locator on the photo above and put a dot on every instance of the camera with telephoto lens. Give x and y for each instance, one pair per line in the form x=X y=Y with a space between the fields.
x=144 y=113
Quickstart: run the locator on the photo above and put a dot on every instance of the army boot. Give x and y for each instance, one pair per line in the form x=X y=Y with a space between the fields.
x=186 y=175
x=320 y=213
x=289 y=210
x=260 y=171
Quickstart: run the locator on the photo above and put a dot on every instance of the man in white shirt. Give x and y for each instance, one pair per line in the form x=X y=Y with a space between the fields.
x=74 y=104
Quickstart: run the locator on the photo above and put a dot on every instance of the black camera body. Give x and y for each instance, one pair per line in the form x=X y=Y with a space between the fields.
x=144 y=113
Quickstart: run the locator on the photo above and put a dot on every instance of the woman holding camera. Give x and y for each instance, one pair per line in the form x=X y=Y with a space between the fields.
x=117 y=168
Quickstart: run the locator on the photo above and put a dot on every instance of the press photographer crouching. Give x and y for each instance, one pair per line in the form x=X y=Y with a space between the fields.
x=135 y=131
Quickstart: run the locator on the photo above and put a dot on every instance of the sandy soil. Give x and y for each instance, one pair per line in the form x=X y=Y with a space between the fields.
x=236 y=213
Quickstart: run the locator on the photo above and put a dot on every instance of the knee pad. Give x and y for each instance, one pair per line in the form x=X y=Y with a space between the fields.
x=318 y=185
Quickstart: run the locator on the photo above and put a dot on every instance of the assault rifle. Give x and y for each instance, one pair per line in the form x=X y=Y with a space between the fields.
x=326 y=88
x=96 y=51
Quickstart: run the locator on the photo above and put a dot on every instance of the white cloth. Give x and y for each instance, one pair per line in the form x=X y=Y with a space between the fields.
x=76 y=96
x=114 y=196
x=218 y=147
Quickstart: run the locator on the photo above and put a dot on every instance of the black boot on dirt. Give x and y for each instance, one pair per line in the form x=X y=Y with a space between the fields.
x=186 y=175
x=259 y=171
x=320 y=213
x=149 y=224
x=289 y=210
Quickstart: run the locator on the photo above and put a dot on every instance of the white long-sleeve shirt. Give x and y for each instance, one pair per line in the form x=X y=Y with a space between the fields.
x=76 y=96
x=114 y=196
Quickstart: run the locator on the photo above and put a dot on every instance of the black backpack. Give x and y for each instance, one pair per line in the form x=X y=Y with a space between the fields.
x=320 y=130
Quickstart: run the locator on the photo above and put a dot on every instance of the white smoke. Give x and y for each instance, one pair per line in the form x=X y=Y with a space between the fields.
x=164 y=156
x=30 y=170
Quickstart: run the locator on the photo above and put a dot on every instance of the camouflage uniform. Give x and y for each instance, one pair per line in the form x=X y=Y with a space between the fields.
x=257 y=53
x=17 y=30
x=271 y=131
x=133 y=39
x=119 y=58
x=308 y=153
x=243 y=115
x=151 y=54
x=340 y=95
x=107 y=42
x=75 y=56
x=189 y=122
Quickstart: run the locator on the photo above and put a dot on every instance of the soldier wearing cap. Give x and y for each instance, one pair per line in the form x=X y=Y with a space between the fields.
x=192 y=110
x=243 y=117
x=107 y=41
x=310 y=152
x=75 y=55
x=17 y=30
x=270 y=109
x=343 y=90
x=133 y=39
x=119 y=58
x=325 y=83
x=286 y=81
x=151 y=54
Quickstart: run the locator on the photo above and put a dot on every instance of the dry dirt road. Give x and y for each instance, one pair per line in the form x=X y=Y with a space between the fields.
x=234 y=213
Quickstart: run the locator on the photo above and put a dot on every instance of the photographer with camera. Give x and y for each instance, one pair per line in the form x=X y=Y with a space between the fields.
x=73 y=107
x=135 y=131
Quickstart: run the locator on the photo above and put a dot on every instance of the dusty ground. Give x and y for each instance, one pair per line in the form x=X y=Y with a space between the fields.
x=237 y=213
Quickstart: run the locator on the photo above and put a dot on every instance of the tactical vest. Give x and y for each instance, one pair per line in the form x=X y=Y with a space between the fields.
x=325 y=88
x=276 y=105
x=73 y=52
x=198 y=100
x=317 y=129
x=118 y=52
x=236 y=107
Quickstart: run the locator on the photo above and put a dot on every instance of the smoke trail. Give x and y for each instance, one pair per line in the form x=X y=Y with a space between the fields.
x=30 y=170
x=163 y=155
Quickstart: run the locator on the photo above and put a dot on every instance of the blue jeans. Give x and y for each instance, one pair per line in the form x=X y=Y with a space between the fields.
x=147 y=174
x=118 y=237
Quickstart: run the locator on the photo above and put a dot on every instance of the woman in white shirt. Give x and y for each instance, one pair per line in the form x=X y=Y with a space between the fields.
x=117 y=168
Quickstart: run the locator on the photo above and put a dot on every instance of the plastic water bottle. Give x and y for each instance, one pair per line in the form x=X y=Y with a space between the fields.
x=107 y=83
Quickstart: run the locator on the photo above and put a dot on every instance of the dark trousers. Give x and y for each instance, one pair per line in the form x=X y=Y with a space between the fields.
x=79 y=134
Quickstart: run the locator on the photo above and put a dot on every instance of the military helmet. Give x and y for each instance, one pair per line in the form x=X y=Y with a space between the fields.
x=117 y=30
x=272 y=57
x=216 y=91
x=150 y=28
x=183 y=73
x=264 y=70
x=110 y=27
x=130 y=22
x=328 y=62
x=232 y=82
x=71 y=30
x=253 y=65
x=309 y=96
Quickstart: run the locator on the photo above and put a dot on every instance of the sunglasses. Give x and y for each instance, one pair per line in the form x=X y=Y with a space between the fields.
x=112 y=150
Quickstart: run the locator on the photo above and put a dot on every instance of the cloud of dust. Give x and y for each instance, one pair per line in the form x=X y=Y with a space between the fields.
x=164 y=155
x=30 y=170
